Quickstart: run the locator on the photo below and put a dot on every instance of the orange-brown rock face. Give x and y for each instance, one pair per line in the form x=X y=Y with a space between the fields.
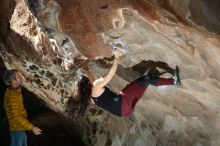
x=47 y=40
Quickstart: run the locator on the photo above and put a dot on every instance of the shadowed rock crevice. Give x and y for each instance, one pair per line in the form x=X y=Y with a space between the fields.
x=206 y=14
x=56 y=129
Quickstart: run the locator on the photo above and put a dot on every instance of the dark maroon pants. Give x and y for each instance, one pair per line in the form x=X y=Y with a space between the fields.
x=134 y=91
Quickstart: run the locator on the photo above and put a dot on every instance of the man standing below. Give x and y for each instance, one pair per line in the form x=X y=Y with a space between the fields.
x=14 y=108
x=4 y=129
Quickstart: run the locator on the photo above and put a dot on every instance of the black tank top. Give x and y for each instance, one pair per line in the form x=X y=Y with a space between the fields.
x=109 y=101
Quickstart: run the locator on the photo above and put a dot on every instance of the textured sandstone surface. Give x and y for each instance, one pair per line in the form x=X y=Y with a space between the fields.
x=47 y=40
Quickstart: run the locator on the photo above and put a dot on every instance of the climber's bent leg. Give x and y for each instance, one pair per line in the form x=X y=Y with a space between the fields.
x=132 y=93
x=154 y=80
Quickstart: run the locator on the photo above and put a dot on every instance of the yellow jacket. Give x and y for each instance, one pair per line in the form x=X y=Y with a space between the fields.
x=16 y=113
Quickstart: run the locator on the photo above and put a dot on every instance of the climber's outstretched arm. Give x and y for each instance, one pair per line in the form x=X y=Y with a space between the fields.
x=101 y=82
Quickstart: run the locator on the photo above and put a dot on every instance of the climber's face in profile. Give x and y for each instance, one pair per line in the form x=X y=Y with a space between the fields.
x=75 y=94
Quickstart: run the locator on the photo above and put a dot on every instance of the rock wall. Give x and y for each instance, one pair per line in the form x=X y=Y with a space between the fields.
x=48 y=41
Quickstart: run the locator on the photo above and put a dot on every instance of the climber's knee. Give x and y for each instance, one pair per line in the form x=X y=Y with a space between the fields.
x=147 y=80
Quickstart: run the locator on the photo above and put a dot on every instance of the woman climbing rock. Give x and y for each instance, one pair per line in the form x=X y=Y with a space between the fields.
x=121 y=104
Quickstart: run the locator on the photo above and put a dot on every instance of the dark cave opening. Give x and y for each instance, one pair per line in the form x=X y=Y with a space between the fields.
x=52 y=124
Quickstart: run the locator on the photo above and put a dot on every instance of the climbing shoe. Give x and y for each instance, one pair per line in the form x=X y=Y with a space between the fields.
x=176 y=76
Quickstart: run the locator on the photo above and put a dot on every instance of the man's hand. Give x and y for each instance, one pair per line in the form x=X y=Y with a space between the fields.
x=36 y=130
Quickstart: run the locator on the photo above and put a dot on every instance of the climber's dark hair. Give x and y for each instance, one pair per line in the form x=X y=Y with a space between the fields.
x=77 y=106
x=85 y=91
